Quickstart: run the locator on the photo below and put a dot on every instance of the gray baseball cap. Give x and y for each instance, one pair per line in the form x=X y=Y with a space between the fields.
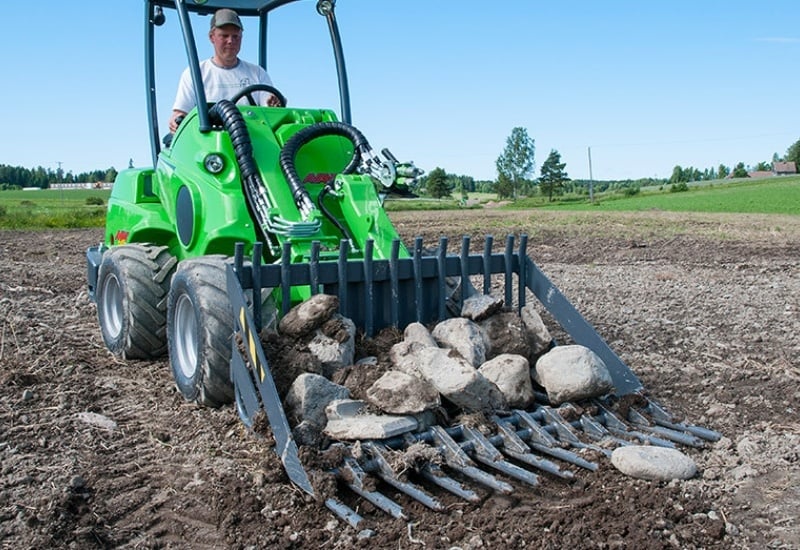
x=225 y=17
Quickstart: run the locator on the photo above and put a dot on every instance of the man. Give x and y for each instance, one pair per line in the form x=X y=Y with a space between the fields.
x=224 y=74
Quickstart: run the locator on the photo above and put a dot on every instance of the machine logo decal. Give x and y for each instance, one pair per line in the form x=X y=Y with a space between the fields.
x=120 y=237
x=318 y=178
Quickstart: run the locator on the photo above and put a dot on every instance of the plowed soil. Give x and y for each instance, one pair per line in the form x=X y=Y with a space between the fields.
x=704 y=308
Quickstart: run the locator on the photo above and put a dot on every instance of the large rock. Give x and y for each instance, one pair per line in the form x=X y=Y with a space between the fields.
x=458 y=381
x=512 y=375
x=418 y=333
x=569 y=373
x=481 y=306
x=308 y=397
x=334 y=344
x=463 y=336
x=399 y=393
x=309 y=315
x=505 y=333
x=649 y=462
x=347 y=420
x=538 y=336
x=404 y=356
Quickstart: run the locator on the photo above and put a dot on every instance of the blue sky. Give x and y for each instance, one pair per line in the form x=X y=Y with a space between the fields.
x=647 y=85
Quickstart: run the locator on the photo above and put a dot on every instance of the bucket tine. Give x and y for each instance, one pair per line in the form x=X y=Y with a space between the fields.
x=596 y=430
x=618 y=427
x=344 y=512
x=516 y=448
x=663 y=418
x=457 y=459
x=565 y=432
x=385 y=472
x=639 y=420
x=488 y=454
x=434 y=474
x=539 y=440
x=354 y=476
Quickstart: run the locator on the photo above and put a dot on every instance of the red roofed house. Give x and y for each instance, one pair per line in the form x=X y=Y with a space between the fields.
x=784 y=168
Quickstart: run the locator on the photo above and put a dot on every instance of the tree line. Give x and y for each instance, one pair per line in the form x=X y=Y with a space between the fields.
x=17 y=177
x=516 y=178
x=515 y=168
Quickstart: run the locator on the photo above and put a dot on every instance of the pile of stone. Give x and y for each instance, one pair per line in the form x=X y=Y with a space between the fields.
x=479 y=362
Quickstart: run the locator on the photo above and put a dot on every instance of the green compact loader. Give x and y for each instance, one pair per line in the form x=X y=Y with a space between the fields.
x=250 y=210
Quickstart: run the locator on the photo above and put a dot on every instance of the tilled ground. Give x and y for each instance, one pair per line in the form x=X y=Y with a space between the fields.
x=704 y=309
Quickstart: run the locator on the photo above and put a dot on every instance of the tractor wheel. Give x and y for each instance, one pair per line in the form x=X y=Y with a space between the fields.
x=200 y=329
x=132 y=287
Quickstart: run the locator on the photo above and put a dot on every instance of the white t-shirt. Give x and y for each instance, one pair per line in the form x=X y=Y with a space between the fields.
x=220 y=83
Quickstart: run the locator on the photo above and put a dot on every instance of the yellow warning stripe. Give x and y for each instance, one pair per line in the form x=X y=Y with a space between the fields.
x=251 y=344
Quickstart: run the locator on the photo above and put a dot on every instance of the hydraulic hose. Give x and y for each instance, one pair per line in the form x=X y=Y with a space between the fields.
x=226 y=113
x=307 y=134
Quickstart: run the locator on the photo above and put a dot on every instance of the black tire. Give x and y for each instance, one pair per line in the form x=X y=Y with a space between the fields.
x=200 y=331
x=132 y=287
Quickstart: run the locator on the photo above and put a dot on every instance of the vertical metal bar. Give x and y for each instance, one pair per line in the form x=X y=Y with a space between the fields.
x=150 y=80
x=487 y=267
x=369 y=296
x=465 y=284
x=263 y=34
x=238 y=260
x=394 y=284
x=442 y=280
x=286 y=278
x=521 y=277
x=417 y=261
x=344 y=307
x=257 y=286
x=341 y=69
x=313 y=267
x=509 y=268
x=194 y=67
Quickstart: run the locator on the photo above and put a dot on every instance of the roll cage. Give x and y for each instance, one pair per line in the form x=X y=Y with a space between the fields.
x=260 y=9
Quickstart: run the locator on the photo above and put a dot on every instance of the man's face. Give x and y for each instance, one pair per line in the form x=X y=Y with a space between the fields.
x=227 y=41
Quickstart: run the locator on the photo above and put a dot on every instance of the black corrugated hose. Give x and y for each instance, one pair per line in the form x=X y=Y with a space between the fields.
x=309 y=133
x=226 y=113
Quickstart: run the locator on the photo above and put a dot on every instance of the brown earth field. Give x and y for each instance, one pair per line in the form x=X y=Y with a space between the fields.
x=705 y=309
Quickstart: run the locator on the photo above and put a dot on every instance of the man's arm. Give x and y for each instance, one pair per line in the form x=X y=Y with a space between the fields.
x=173 y=123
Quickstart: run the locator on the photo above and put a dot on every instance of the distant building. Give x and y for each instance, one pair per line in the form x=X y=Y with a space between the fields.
x=784 y=168
x=778 y=169
x=85 y=185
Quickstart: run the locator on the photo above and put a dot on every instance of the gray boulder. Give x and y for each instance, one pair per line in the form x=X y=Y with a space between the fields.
x=650 y=462
x=309 y=395
x=463 y=336
x=570 y=373
x=399 y=393
x=512 y=375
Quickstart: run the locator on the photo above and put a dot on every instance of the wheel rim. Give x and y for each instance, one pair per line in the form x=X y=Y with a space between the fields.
x=113 y=310
x=185 y=336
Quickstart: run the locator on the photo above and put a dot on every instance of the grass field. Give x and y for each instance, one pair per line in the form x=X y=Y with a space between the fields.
x=52 y=208
x=762 y=196
x=73 y=208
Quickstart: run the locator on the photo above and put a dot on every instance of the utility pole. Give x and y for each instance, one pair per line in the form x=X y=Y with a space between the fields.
x=60 y=178
x=591 y=181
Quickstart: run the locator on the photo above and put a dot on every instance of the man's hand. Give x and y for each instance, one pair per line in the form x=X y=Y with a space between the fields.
x=173 y=120
x=273 y=101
